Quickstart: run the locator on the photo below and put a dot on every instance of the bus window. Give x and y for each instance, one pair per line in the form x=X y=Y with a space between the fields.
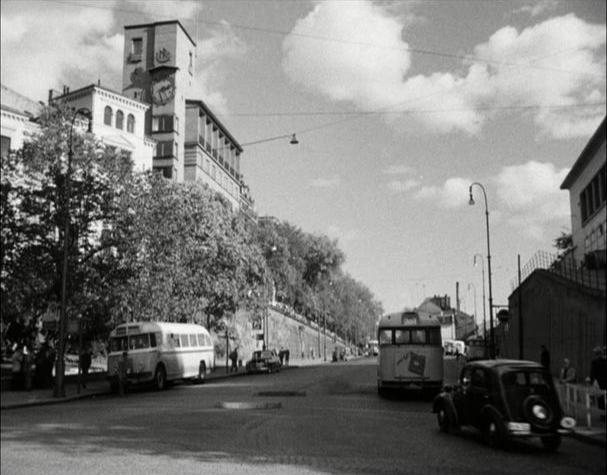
x=385 y=337
x=153 y=340
x=174 y=340
x=433 y=336
x=207 y=340
x=183 y=339
x=200 y=339
x=138 y=342
x=401 y=337
x=118 y=344
x=193 y=340
x=418 y=336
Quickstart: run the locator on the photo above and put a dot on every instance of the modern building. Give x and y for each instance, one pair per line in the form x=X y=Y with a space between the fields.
x=17 y=124
x=586 y=183
x=191 y=143
x=118 y=121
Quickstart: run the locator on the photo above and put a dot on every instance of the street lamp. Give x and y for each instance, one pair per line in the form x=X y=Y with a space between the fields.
x=484 y=313
x=59 y=390
x=471 y=202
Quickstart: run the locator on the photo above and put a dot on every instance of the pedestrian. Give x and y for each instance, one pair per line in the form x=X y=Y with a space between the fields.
x=17 y=368
x=85 y=363
x=234 y=360
x=567 y=374
x=281 y=355
x=26 y=367
x=598 y=375
x=44 y=370
x=287 y=354
x=123 y=367
x=545 y=357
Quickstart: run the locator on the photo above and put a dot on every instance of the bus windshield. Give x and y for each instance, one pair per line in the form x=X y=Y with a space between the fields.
x=410 y=336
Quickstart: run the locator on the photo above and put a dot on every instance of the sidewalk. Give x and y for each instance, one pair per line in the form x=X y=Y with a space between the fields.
x=99 y=386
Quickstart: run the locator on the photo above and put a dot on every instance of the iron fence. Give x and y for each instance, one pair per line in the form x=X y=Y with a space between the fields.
x=565 y=267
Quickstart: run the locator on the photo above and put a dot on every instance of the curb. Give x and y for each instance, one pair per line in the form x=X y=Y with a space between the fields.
x=598 y=439
x=49 y=402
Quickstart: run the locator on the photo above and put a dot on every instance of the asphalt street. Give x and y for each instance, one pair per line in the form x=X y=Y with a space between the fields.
x=314 y=420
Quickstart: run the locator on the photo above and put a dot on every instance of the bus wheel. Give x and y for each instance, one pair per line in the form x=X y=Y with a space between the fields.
x=202 y=372
x=160 y=378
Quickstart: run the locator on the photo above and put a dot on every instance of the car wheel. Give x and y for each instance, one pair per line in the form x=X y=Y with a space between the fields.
x=160 y=378
x=445 y=421
x=202 y=372
x=492 y=432
x=551 y=442
x=539 y=413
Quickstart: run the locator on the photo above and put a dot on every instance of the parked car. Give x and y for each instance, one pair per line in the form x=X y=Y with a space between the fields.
x=505 y=400
x=263 y=361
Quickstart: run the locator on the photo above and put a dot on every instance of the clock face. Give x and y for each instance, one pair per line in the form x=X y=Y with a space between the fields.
x=163 y=90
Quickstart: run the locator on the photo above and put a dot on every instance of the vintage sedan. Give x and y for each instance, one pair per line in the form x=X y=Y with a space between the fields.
x=505 y=400
x=263 y=361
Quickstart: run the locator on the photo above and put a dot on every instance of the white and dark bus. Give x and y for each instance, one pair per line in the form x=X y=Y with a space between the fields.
x=410 y=352
x=160 y=352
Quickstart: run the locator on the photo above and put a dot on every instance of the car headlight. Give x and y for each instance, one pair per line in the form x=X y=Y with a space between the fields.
x=568 y=422
x=540 y=412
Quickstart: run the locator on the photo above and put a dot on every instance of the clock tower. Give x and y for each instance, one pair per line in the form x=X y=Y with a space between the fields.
x=158 y=69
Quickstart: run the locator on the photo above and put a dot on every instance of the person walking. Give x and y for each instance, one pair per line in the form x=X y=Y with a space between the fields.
x=287 y=354
x=85 y=363
x=234 y=360
x=567 y=374
x=598 y=375
x=17 y=368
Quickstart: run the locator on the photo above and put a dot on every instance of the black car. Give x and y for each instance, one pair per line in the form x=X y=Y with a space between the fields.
x=263 y=361
x=505 y=400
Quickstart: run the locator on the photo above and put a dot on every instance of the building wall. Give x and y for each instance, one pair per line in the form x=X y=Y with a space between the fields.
x=566 y=317
x=587 y=235
x=96 y=99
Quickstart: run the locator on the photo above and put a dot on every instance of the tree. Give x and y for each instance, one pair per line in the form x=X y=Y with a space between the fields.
x=34 y=209
x=181 y=254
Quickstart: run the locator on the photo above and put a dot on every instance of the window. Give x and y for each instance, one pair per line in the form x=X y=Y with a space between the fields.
x=6 y=146
x=137 y=46
x=593 y=196
x=200 y=339
x=139 y=342
x=401 y=337
x=162 y=123
x=385 y=337
x=167 y=172
x=433 y=336
x=164 y=149
x=193 y=340
x=478 y=378
x=130 y=124
x=107 y=115
x=153 y=340
x=185 y=342
x=418 y=336
x=119 y=119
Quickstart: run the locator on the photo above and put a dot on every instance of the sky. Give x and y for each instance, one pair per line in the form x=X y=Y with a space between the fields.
x=398 y=106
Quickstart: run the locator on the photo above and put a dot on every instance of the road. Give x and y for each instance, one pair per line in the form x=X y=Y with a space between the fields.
x=330 y=420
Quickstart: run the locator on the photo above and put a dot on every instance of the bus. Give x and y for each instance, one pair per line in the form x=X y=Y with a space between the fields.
x=160 y=352
x=410 y=352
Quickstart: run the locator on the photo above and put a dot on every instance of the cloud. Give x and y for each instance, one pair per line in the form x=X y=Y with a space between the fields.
x=354 y=52
x=342 y=235
x=167 y=9
x=453 y=193
x=398 y=170
x=538 y=8
x=77 y=54
x=402 y=186
x=326 y=182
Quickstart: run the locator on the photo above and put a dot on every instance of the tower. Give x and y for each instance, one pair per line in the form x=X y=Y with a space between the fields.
x=158 y=68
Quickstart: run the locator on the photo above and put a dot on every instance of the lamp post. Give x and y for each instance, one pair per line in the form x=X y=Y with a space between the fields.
x=484 y=313
x=471 y=202
x=59 y=390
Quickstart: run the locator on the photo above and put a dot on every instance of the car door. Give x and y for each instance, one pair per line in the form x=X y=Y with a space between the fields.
x=477 y=395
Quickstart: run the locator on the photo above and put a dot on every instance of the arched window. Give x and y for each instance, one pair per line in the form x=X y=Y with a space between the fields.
x=119 y=120
x=107 y=115
x=130 y=123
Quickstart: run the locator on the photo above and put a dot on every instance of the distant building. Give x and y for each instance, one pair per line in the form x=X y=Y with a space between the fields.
x=586 y=183
x=17 y=124
x=118 y=121
x=455 y=325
